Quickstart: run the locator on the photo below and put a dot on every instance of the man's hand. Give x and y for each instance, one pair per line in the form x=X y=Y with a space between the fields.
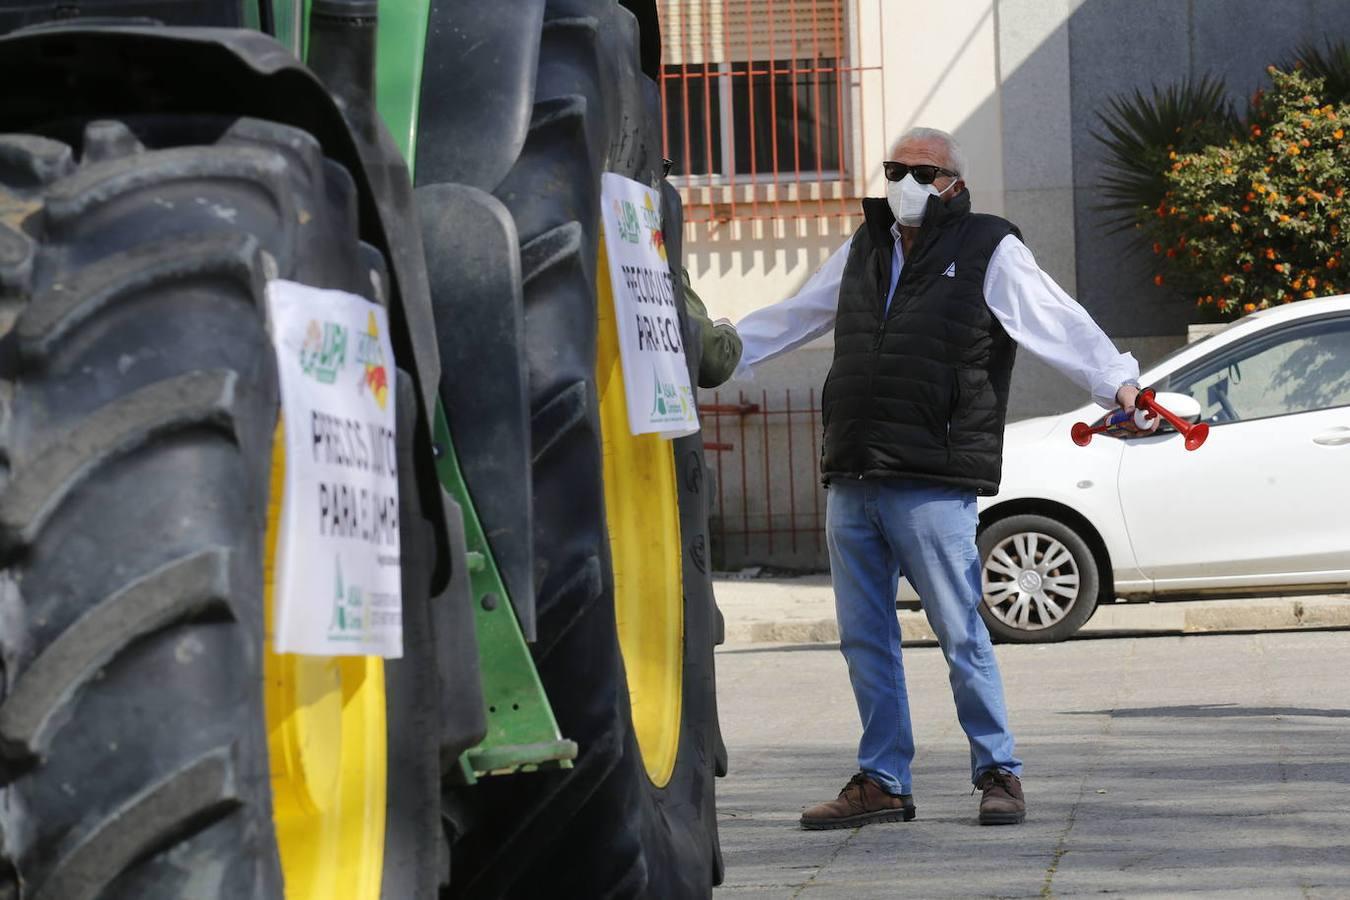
x=1125 y=397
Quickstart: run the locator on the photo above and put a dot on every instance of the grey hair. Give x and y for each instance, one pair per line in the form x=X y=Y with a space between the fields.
x=955 y=155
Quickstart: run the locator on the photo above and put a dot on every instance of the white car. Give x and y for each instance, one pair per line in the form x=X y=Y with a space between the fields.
x=1263 y=507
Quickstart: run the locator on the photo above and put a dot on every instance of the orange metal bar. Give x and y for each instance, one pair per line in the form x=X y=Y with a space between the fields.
x=815 y=495
x=687 y=162
x=745 y=508
x=705 y=9
x=773 y=108
x=839 y=92
x=792 y=481
x=768 y=477
x=728 y=409
x=881 y=31
x=815 y=81
x=728 y=165
x=750 y=93
x=665 y=114
x=796 y=108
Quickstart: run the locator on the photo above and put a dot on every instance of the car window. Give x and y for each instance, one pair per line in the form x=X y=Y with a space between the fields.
x=1298 y=369
x=1199 y=344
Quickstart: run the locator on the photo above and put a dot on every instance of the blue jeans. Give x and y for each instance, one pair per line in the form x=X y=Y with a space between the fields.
x=878 y=530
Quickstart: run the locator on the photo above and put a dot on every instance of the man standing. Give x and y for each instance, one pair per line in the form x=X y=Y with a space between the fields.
x=928 y=302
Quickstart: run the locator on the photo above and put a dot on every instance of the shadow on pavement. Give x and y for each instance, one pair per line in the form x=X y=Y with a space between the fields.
x=1209 y=710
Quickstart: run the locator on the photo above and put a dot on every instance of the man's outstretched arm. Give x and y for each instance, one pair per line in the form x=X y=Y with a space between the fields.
x=800 y=319
x=1053 y=327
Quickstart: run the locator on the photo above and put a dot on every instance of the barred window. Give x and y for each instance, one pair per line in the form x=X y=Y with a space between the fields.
x=753 y=117
x=753 y=87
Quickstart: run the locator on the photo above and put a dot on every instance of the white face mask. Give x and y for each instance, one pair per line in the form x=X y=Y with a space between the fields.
x=909 y=199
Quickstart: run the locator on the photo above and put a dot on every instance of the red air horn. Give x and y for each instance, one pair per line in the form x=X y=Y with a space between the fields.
x=1082 y=432
x=1194 y=434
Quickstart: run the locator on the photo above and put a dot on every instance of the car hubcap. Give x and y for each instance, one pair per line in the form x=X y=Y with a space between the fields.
x=1030 y=581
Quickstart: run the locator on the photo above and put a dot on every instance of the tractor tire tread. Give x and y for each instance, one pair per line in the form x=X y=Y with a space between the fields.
x=567 y=604
x=602 y=828
x=184 y=589
x=191 y=400
x=138 y=405
x=549 y=250
x=31 y=161
x=75 y=198
x=62 y=308
x=557 y=417
x=197 y=793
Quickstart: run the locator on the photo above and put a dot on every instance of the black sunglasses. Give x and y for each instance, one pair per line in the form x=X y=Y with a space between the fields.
x=896 y=171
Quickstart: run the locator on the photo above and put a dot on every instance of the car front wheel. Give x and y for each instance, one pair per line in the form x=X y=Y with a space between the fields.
x=1040 y=579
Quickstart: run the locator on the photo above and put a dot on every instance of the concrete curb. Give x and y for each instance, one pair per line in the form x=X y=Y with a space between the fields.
x=1186 y=617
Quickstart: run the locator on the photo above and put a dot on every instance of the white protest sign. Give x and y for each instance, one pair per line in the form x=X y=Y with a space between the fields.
x=338 y=588
x=651 y=345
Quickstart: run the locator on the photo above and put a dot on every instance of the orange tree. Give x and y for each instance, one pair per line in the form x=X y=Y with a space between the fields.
x=1241 y=215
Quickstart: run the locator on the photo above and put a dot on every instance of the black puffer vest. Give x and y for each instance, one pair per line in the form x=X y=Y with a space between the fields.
x=922 y=391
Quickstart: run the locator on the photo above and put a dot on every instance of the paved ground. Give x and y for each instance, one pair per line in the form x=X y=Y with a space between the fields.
x=1155 y=766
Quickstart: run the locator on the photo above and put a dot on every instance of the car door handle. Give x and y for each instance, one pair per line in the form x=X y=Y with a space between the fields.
x=1333 y=437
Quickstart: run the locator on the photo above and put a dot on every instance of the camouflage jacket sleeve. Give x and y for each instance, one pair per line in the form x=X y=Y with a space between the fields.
x=721 y=350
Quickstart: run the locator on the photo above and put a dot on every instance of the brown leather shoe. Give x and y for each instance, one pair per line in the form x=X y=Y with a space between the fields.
x=861 y=802
x=1002 y=803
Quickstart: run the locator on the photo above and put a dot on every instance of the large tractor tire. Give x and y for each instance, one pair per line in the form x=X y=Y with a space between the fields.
x=625 y=619
x=151 y=744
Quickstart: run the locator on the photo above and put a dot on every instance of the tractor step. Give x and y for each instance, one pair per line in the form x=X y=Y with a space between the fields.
x=511 y=758
x=522 y=733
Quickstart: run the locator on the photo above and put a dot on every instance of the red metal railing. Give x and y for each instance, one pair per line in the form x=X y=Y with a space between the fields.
x=724 y=72
x=770 y=506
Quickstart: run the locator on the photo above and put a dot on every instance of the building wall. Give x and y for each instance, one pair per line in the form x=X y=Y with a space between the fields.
x=1020 y=84
x=1116 y=46
x=741 y=265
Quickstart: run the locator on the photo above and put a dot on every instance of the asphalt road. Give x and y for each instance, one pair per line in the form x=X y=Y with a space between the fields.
x=1157 y=766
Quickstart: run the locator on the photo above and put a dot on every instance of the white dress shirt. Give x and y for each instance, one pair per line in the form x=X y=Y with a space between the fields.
x=1035 y=312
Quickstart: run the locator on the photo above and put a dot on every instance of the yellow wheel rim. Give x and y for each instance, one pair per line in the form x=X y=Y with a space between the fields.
x=326 y=744
x=643 y=513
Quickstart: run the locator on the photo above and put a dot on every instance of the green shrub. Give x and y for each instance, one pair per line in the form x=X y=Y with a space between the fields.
x=1143 y=132
x=1258 y=221
x=1248 y=219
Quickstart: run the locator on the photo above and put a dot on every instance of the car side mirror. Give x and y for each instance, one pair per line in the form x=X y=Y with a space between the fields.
x=1184 y=406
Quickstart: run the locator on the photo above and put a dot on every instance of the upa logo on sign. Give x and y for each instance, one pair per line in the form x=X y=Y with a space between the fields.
x=626 y=221
x=652 y=219
x=348 y=608
x=324 y=351
x=370 y=354
x=670 y=402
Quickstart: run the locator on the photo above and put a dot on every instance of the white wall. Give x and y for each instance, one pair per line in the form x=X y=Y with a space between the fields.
x=940 y=70
x=745 y=265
